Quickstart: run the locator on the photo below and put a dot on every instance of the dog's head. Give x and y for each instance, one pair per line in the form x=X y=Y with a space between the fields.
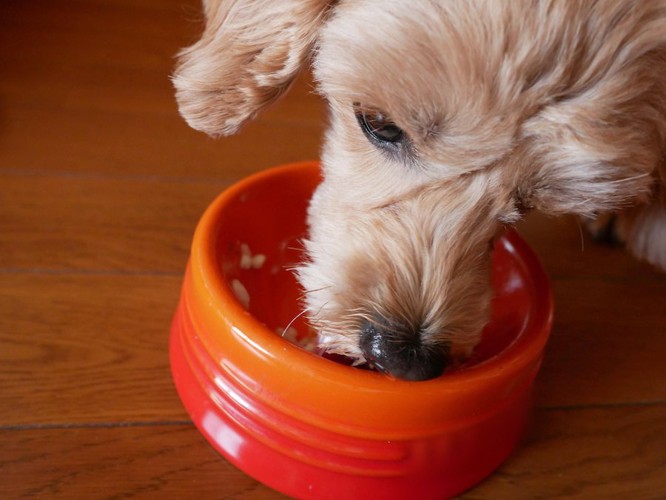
x=449 y=119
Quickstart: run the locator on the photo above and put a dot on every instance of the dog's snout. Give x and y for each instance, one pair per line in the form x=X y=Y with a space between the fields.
x=401 y=352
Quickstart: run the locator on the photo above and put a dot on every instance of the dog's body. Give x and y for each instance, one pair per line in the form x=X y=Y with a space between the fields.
x=449 y=119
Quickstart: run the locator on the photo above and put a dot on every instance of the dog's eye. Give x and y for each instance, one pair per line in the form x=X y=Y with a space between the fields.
x=378 y=127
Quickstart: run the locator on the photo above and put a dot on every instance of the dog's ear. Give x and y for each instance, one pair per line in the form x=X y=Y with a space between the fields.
x=601 y=145
x=249 y=53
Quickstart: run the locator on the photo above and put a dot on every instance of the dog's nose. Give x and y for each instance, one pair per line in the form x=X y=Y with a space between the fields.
x=400 y=352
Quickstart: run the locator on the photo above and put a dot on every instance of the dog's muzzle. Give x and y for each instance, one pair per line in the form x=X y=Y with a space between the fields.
x=401 y=352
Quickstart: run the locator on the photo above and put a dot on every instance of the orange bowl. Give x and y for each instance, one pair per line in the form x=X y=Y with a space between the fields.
x=313 y=428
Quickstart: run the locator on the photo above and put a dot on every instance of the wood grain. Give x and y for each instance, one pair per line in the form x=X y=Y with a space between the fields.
x=587 y=453
x=593 y=453
x=101 y=186
x=60 y=222
x=152 y=461
x=608 y=344
x=86 y=349
x=91 y=82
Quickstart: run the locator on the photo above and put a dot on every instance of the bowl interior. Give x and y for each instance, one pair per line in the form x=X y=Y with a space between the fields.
x=259 y=232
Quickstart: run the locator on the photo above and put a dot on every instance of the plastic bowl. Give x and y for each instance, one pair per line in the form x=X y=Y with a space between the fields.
x=313 y=428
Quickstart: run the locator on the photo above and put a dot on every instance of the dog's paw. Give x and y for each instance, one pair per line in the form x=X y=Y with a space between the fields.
x=605 y=229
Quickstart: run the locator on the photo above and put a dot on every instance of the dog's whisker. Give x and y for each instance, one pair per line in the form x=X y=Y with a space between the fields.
x=316 y=316
x=293 y=320
x=314 y=290
x=581 y=234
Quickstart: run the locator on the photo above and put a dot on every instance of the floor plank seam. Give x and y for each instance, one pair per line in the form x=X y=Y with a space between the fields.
x=87 y=175
x=90 y=272
x=166 y=423
x=621 y=280
x=94 y=425
x=602 y=406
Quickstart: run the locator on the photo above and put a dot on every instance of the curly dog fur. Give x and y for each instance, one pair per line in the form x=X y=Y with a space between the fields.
x=449 y=120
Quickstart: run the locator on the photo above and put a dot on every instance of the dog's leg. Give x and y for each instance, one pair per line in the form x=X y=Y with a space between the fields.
x=645 y=233
x=604 y=229
x=641 y=229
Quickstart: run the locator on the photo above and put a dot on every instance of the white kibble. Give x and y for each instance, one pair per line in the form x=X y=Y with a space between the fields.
x=246 y=262
x=291 y=334
x=249 y=261
x=308 y=343
x=241 y=293
x=258 y=261
x=246 y=257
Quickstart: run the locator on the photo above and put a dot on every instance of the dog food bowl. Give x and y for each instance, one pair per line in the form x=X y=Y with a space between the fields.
x=314 y=428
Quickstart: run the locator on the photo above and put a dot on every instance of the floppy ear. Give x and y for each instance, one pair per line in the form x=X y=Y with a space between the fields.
x=602 y=147
x=249 y=53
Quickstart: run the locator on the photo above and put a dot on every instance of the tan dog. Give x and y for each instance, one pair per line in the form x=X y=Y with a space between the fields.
x=449 y=119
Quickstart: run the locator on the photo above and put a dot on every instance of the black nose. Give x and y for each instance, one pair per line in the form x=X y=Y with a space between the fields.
x=401 y=352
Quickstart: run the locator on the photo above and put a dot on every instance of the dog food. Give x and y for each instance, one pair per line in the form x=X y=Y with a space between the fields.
x=249 y=261
x=307 y=341
x=241 y=293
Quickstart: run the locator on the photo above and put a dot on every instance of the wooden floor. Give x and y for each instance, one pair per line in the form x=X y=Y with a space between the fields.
x=101 y=185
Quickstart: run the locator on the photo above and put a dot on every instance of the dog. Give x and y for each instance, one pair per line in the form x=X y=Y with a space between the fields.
x=449 y=120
